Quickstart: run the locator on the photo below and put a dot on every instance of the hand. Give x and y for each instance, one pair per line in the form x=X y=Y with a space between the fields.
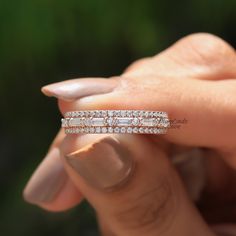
x=193 y=79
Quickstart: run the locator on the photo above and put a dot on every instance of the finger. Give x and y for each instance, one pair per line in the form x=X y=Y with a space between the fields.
x=131 y=183
x=205 y=106
x=49 y=187
x=198 y=56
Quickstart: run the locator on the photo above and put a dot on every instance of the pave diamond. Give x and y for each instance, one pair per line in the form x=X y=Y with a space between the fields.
x=129 y=130
x=117 y=130
x=98 y=130
x=104 y=130
x=122 y=130
x=110 y=130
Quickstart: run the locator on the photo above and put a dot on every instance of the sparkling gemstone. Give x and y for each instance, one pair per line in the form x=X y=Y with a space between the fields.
x=135 y=121
x=124 y=121
x=110 y=130
x=135 y=130
x=129 y=113
x=98 y=113
x=123 y=113
x=149 y=122
x=129 y=130
x=117 y=113
x=122 y=130
x=110 y=113
x=98 y=122
x=75 y=122
x=92 y=113
x=92 y=130
x=64 y=123
x=73 y=114
x=86 y=129
x=141 y=130
x=104 y=130
x=87 y=122
x=117 y=130
x=135 y=113
x=98 y=130
x=111 y=121
x=150 y=130
x=104 y=113
x=141 y=113
x=146 y=130
x=146 y=114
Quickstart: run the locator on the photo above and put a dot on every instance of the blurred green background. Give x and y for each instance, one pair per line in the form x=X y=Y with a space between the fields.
x=47 y=41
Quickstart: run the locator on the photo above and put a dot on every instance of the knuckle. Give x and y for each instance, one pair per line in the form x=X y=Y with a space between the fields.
x=210 y=48
x=153 y=209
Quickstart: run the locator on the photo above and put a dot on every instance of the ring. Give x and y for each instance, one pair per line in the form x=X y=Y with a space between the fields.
x=115 y=121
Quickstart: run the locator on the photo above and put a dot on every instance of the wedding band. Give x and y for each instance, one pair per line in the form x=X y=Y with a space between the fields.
x=115 y=121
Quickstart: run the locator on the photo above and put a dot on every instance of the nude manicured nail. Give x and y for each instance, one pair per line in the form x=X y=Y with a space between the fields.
x=78 y=88
x=105 y=164
x=47 y=181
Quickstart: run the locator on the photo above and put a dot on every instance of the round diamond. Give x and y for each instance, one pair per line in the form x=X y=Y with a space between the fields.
x=86 y=129
x=87 y=122
x=141 y=113
x=104 y=130
x=150 y=130
x=117 y=130
x=110 y=130
x=111 y=121
x=104 y=113
x=135 y=113
x=92 y=113
x=129 y=113
x=123 y=113
x=141 y=130
x=146 y=130
x=92 y=130
x=98 y=113
x=129 y=130
x=98 y=130
x=117 y=113
x=135 y=130
x=146 y=113
x=122 y=130
x=110 y=113
x=135 y=121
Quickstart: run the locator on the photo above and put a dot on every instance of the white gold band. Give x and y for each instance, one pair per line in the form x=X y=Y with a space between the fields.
x=116 y=121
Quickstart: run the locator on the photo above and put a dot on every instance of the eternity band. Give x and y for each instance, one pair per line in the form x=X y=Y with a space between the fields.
x=115 y=121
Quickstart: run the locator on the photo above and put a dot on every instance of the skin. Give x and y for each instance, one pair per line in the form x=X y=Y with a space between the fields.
x=193 y=79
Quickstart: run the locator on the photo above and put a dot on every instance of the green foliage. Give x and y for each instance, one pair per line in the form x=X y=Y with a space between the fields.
x=44 y=41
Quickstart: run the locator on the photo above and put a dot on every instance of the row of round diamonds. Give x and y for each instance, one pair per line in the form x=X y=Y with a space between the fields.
x=119 y=113
x=124 y=130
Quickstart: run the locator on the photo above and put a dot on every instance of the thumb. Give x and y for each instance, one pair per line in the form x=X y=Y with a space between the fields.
x=131 y=184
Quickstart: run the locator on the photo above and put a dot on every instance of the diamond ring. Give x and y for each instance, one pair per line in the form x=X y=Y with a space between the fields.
x=115 y=121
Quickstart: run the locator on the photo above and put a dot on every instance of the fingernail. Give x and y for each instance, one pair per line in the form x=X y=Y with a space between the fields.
x=78 y=88
x=105 y=164
x=47 y=181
